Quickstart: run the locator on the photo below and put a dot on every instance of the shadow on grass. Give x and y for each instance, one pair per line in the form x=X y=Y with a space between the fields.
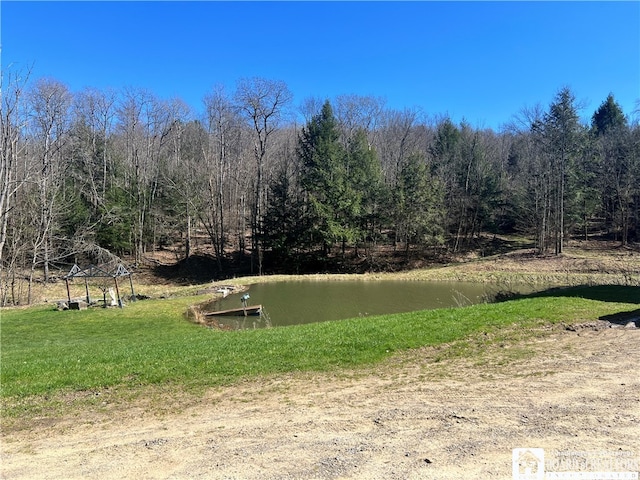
x=622 y=318
x=602 y=293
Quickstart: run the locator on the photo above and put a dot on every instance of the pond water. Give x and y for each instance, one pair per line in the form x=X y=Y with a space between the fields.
x=297 y=302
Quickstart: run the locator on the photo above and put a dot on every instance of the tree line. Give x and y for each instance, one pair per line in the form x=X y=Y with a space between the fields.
x=102 y=174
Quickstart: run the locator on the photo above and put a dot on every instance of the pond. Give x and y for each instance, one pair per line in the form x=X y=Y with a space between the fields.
x=307 y=301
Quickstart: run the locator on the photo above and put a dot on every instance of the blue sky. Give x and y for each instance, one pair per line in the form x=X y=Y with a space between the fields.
x=481 y=61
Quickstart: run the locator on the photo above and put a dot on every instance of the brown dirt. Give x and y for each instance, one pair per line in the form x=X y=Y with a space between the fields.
x=585 y=257
x=411 y=417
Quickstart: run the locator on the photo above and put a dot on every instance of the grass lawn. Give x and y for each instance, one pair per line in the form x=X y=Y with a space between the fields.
x=150 y=343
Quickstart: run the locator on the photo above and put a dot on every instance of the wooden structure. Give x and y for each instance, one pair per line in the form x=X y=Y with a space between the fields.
x=103 y=272
x=238 y=312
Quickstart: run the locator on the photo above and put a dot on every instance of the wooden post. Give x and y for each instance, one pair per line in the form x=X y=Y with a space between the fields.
x=115 y=279
x=133 y=294
x=86 y=289
x=66 y=280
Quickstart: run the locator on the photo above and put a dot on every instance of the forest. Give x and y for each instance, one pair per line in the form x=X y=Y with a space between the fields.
x=261 y=185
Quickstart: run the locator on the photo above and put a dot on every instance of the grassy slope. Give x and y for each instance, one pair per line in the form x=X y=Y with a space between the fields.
x=46 y=352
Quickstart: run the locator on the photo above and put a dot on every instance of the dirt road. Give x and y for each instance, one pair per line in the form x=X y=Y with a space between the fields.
x=412 y=417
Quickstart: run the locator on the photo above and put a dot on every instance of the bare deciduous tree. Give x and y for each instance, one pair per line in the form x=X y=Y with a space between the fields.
x=355 y=113
x=144 y=123
x=95 y=111
x=13 y=121
x=263 y=102
x=398 y=138
x=49 y=102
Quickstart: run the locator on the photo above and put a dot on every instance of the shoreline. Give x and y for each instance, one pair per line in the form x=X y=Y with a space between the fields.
x=578 y=265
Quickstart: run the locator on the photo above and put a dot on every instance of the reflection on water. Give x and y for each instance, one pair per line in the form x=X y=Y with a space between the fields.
x=291 y=303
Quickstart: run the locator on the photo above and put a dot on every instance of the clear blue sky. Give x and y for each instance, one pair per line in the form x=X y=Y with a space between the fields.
x=482 y=61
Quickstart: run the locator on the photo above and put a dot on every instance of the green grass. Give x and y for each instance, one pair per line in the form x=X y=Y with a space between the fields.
x=150 y=343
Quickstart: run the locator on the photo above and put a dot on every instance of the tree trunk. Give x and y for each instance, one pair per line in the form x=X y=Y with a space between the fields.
x=187 y=241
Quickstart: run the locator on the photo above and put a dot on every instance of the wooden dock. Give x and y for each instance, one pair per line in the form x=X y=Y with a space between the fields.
x=237 y=312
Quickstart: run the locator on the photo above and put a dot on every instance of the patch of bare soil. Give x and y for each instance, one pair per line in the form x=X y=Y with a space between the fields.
x=412 y=417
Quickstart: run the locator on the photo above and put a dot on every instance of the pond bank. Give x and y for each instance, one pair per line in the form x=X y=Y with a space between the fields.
x=582 y=263
x=577 y=266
